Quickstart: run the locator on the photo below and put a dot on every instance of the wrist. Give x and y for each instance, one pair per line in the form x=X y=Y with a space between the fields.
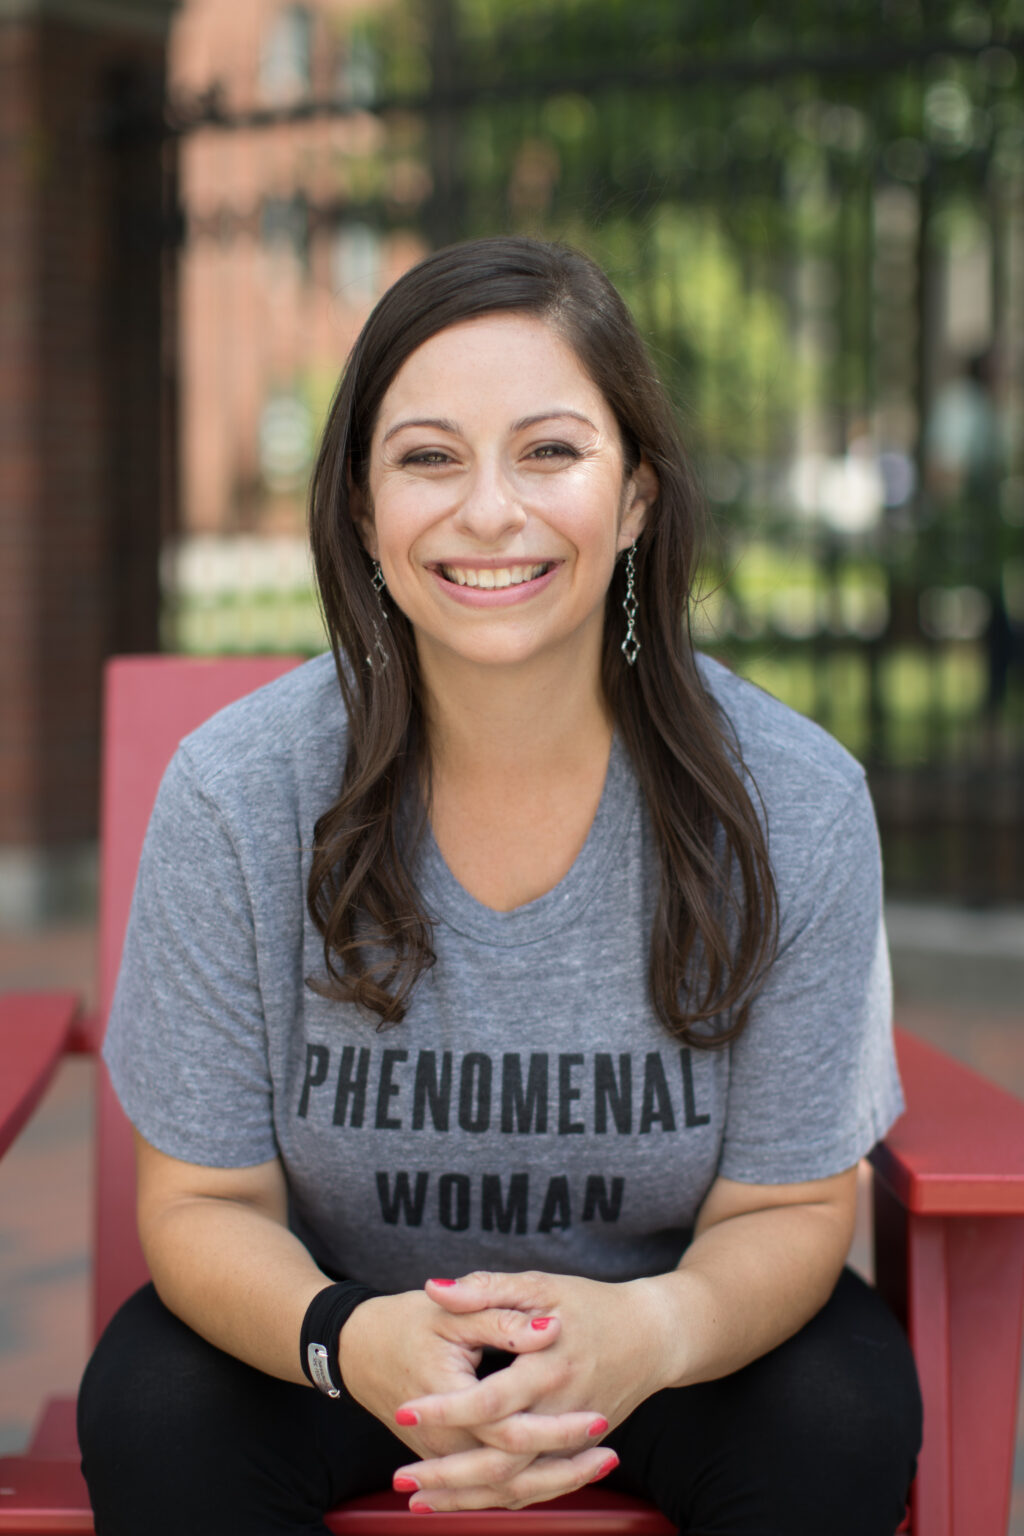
x=372 y=1374
x=361 y=1355
x=665 y=1307
x=325 y=1318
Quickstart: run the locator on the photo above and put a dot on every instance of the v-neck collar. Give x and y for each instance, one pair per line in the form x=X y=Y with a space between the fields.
x=449 y=901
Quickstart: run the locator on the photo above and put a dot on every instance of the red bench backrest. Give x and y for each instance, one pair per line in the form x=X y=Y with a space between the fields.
x=150 y=703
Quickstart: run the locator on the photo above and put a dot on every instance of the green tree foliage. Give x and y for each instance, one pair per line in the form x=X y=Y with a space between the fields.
x=712 y=155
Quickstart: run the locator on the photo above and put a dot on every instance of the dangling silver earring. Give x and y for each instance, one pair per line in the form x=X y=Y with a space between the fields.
x=631 y=645
x=379 y=648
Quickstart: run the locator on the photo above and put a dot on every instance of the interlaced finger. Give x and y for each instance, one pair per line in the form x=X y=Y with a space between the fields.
x=484 y=1466
x=525 y=1435
x=543 y=1433
x=501 y=1328
x=543 y=1478
x=506 y=1392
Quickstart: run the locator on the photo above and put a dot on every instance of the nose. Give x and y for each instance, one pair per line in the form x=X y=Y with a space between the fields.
x=490 y=509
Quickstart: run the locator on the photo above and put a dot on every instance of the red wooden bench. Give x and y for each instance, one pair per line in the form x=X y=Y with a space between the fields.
x=949 y=1200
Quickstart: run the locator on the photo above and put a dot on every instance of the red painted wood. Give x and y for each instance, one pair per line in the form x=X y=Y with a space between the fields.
x=960 y=1150
x=928 y=1328
x=150 y=703
x=985 y=1280
x=38 y=1496
x=55 y=1434
x=34 y=1029
x=577 y=1514
x=119 y=1267
x=965 y=1312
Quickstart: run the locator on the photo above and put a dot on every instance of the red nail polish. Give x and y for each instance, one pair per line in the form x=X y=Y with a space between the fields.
x=435 y=1281
x=405 y=1485
x=598 y=1427
x=605 y=1468
x=406 y=1416
x=540 y=1323
x=421 y=1509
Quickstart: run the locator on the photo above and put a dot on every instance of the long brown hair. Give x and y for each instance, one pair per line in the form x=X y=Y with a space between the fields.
x=715 y=923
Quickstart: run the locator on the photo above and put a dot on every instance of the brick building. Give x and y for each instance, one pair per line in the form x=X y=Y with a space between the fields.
x=281 y=262
x=174 y=311
x=84 y=395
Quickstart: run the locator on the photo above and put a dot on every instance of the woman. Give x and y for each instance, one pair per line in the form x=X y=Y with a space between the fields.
x=588 y=1004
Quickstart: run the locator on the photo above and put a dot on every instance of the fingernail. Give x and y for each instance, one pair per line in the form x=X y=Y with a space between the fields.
x=419 y=1508
x=540 y=1323
x=598 y=1427
x=405 y=1485
x=434 y=1281
x=406 y=1416
x=605 y=1468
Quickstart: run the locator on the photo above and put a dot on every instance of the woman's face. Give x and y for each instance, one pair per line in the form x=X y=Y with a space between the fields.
x=498 y=500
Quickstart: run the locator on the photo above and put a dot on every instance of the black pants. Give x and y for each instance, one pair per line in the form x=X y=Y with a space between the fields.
x=818 y=1436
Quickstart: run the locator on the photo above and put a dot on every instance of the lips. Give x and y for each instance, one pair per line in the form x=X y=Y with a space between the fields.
x=494 y=586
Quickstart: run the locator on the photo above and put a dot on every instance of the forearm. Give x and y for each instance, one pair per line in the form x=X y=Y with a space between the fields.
x=237 y=1276
x=742 y=1287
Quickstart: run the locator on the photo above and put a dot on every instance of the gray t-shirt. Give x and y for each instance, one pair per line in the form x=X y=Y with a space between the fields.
x=530 y=1111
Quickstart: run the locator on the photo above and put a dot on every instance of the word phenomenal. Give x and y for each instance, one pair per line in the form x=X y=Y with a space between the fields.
x=540 y=1093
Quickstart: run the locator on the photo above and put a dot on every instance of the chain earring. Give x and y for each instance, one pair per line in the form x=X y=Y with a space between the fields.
x=380 y=649
x=631 y=645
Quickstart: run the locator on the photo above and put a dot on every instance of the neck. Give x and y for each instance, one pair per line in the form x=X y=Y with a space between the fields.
x=514 y=724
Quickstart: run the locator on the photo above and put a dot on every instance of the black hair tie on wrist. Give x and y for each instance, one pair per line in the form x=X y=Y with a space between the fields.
x=325 y=1317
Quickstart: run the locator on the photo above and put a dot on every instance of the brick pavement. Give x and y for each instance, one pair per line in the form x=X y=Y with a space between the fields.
x=45 y=1179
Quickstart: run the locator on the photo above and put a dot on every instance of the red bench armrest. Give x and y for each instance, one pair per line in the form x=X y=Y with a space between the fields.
x=959 y=1149
x=35 y=1030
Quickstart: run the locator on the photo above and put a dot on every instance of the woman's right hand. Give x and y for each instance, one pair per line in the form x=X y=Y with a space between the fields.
x=395 y=1348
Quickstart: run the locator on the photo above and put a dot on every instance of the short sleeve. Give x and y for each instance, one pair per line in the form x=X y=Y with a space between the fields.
x=813 y=1080
x=186 y=1043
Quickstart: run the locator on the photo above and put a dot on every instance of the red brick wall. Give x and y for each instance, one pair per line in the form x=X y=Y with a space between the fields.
x=82 y=393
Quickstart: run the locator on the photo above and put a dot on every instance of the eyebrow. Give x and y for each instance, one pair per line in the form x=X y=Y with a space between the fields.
x=555 y=415
x=439 y=423
x=443 y=424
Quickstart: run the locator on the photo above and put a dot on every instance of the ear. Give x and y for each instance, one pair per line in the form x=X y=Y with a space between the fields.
x=640 y=494
x=361 y=512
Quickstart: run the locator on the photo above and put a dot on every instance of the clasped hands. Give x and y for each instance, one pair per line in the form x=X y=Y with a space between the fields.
x=586 y=1353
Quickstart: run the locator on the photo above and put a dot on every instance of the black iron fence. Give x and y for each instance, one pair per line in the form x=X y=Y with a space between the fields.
x=817 y=215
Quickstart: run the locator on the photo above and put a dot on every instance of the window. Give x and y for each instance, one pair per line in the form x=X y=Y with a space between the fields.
x=286 y=60
x=357 y=71
x=355 y=263
x=284 y=228
x=286 y=442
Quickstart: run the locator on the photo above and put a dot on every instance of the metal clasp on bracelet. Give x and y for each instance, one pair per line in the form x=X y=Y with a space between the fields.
x=320 y=1370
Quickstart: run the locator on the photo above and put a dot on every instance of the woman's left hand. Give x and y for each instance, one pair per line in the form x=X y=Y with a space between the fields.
x=608 y=1358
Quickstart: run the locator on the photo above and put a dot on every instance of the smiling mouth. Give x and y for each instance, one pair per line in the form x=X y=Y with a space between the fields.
x=490 y=580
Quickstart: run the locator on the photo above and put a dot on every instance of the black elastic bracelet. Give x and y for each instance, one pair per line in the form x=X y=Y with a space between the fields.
x=325 y=1317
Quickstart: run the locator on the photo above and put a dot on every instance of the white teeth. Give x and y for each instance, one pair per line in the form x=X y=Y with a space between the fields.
x=506 y=576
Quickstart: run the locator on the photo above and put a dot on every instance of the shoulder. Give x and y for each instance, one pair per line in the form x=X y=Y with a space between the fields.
x=286 y=741
x=814 y=802
x=773 y=741
x=802 y=777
